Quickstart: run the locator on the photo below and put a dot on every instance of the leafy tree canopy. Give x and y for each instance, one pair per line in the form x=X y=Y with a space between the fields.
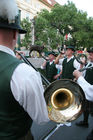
x=51 y=27
x=26 y=40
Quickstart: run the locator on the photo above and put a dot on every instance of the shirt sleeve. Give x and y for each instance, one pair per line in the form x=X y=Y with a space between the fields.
x=76 y=64
x=27 y=88
x=87 y=88
x=61 y=61
x=42 y=67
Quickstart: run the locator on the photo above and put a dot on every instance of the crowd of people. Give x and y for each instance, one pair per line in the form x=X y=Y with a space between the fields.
x=62 y=65
x=21 y=89
x=70 y=69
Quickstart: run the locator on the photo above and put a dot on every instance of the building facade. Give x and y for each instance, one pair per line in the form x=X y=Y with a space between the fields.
x=30 y=8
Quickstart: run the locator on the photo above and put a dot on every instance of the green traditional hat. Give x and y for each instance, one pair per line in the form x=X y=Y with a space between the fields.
x=53 y=53
x=71 y=47
x=90 y=50
x=9 y=18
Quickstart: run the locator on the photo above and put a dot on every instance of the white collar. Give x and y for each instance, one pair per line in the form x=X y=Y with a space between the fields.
x=7 y=50
x=51 y=62
x=89 y=63
x=68 y=59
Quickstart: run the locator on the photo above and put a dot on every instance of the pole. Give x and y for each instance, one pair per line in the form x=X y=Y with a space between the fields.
x=28 y=62
x=51 y=132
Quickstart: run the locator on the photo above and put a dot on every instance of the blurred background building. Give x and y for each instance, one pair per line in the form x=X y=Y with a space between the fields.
x=30 y=8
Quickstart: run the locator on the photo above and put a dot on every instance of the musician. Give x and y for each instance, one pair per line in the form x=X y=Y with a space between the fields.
x=69 y=63
x=87 y=86
x=21 y=90
x=50 y=67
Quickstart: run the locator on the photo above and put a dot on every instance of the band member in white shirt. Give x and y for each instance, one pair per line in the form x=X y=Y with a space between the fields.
x=87 y=83
x=69 y=63
x=21 y=90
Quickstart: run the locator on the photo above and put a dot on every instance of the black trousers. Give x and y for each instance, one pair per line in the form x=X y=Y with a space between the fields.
x=90 y=136
x=27 y=137
x=88 y=109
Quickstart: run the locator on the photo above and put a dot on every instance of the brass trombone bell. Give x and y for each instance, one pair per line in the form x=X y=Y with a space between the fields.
x=65 y=100
x=62 y=98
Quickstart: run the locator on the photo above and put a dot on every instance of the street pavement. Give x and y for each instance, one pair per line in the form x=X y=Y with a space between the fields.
x=72 y=132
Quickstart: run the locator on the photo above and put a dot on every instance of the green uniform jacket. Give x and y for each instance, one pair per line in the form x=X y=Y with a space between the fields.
x=51 y=71
x=67 y=69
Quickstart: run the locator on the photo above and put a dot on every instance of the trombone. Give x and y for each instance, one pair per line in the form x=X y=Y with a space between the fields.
x=64 y=99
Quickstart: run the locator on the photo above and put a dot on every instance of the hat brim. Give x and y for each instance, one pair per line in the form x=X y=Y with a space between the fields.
x=70 y=48
x=14 y=27
x=52 y=54
x=90 y=51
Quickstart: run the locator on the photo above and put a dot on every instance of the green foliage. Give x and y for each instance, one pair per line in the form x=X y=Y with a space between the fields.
x=51 y=27
x=26 y=41
x=45 y=34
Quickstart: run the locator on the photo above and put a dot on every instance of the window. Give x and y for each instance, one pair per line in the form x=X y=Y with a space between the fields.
x=28 y=16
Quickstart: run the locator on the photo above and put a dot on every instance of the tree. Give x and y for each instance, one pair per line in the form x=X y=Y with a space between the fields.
x=26 y=41
x=51 y=27
x=45 y=34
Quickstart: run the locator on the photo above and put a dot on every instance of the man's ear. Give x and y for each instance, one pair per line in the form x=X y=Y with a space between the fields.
x=15 y=34
x=14 y=37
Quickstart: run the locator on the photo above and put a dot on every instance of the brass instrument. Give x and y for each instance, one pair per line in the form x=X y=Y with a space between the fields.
x=64 y=98
x=81 y=58
x=65 y=101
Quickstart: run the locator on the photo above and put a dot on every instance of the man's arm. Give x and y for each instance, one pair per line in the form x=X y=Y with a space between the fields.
x=57 y=58
x=43 y=65
x=58 y=75
x=87 y=88
x=27 y=89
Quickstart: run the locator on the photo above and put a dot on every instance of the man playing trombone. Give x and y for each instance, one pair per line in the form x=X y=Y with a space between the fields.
x=21 y=89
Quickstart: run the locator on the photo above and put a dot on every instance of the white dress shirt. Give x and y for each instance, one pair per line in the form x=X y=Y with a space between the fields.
x=87 y=88
x=50 y=63
x=27 y=89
